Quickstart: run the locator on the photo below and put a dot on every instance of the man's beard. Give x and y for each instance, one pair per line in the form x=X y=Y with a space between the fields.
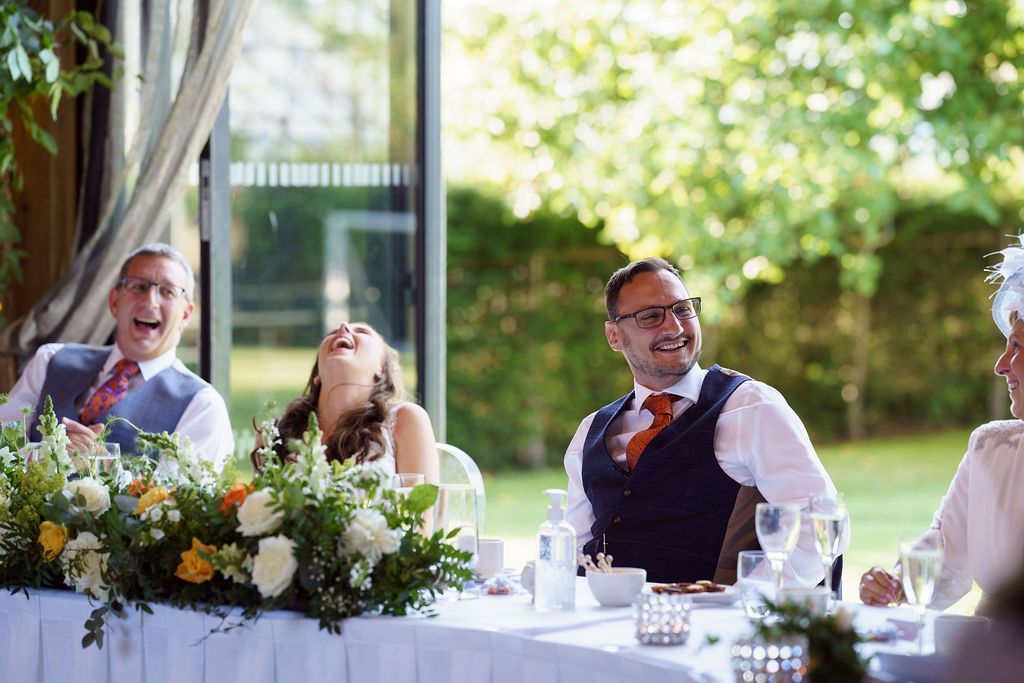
x=650 y=368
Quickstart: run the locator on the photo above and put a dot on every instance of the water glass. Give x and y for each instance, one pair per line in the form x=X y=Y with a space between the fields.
x=456 y=510
x=100 y=458
x=662 y=618
x=755 y=581
x=404 y=482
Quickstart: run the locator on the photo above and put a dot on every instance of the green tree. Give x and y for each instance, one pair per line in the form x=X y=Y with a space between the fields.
x=747 y=138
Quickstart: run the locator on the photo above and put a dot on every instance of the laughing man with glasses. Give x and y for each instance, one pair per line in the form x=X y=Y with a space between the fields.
x=667 y=477
x=139 y=377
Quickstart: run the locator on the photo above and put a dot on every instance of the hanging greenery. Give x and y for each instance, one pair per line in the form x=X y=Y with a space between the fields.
x=31 y=49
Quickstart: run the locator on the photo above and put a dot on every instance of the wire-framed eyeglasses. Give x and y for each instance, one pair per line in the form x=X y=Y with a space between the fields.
x=684 y=309
x=140 y=286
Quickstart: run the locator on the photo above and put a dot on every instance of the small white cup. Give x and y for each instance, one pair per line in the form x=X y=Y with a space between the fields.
x=618 y=587
x=490 y=557
x=814 y=598
x=952 y=629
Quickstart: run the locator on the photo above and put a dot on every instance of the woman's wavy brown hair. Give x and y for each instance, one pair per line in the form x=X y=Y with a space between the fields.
x=359 y=432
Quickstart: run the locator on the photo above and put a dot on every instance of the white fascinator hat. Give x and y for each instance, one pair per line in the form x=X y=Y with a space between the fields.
x=1010 y=297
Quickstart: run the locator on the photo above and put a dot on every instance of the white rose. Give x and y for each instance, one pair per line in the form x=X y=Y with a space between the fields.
x=174 y=516
x=84 y=567
x=156 y=534
x=155 y=513
x=368 y=533
x=95 y=493
x=274 y=565
x=256 y=515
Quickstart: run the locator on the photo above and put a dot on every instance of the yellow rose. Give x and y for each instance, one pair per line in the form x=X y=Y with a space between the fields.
x=193 y=567
x=150 y=498
x=52 y=537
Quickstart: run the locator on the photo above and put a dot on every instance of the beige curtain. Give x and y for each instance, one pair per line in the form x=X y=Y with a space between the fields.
x=145 y=181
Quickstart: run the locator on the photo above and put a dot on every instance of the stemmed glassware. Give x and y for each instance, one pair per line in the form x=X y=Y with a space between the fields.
x=828 y=520
x=778 y=530
x=456 y=510
x=921 y=564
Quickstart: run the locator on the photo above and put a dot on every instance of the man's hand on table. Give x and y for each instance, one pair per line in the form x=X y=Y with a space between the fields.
x=879 y=587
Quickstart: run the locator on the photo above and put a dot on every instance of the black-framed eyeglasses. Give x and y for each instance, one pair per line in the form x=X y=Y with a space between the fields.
x=684 y=309
x=140 y=286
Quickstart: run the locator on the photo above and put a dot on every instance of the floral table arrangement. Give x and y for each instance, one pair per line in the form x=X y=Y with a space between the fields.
x=331 y=540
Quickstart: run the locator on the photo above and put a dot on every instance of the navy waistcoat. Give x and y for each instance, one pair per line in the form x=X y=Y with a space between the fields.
x=670 y=514
x=154 y=406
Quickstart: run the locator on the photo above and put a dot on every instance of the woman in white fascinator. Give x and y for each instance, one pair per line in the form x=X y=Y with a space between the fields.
x=980 y=519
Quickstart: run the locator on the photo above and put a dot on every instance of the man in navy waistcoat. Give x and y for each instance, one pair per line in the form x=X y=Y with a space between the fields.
x=140 y=377
x=679 y=498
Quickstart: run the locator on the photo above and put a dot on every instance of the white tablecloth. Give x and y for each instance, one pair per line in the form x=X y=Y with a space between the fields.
x=488 y=640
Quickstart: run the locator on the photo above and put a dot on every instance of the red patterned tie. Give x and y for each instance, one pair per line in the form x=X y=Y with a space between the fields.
x=661 y=406
x=111 y=391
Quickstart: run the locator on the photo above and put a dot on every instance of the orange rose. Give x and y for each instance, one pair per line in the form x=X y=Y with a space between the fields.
x=52 y=537
x=235 y=496
x=193 y=567
x=150 y=498
x=137 y=488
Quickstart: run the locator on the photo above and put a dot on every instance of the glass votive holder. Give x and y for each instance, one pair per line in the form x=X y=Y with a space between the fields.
x=785 y=660
x=662 y=618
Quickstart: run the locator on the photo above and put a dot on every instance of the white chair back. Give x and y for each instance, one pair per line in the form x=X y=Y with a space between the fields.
x=458 y=468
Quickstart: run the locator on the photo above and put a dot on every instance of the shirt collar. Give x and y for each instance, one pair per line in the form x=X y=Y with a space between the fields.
x=148 y=368
x=688 y=387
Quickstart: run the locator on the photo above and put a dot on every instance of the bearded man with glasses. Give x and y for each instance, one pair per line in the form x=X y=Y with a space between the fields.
x=138 y=378
x=667 y=477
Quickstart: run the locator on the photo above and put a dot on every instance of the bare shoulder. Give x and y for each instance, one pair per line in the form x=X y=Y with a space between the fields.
x=411 y=418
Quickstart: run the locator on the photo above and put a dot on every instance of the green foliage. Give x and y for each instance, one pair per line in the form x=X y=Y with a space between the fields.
x=745 y=138
x=931 y=346
x=831 y=638
x=30 y=68
x=527 y=357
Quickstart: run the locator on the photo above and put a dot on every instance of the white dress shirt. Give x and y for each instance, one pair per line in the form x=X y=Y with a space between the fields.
x=205 y=420
x=759 y=441
x=981 y=516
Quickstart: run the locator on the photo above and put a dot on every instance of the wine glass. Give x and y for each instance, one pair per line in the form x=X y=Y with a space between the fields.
x=778 y=530
x=456 y=510
x=828 y=520
x=921 y=565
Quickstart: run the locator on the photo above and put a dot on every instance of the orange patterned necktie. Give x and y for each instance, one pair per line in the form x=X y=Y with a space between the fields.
x=661 y=406
x=110 y=392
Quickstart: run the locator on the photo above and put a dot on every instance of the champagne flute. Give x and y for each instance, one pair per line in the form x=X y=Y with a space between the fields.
x=921 y=565
x=778 y=530
x=456 y=510
x=828 y=519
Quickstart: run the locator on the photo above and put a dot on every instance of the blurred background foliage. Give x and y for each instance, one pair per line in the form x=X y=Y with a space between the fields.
x=527 y=357
x=829 y=174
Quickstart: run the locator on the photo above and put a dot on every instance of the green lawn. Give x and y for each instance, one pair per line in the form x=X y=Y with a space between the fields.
x=892 y=487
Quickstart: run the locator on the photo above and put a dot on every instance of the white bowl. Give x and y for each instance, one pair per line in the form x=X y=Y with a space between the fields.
x=618 y=587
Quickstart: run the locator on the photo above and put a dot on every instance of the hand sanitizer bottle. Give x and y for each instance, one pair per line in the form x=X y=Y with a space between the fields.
x=555 y=579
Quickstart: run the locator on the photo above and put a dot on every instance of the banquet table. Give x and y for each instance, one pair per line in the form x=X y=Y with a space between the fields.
x=494 y=639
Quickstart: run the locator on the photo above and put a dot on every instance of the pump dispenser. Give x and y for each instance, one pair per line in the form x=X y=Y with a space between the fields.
x=555 y=581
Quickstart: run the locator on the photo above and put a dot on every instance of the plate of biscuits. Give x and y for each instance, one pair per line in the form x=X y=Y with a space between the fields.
x=700 y=592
